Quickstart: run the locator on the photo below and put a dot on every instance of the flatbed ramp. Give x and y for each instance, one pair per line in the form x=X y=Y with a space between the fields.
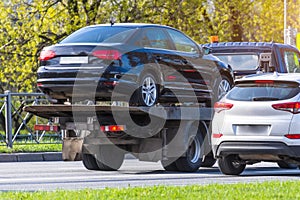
x=84 y=111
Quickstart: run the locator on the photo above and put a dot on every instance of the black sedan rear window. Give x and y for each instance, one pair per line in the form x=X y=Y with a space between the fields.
x=100 y=34
x=263 y=91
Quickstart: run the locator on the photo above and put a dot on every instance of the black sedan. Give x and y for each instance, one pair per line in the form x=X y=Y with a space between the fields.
x=142 y=64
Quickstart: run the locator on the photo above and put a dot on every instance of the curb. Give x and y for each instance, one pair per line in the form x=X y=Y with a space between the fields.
x=37 y=157
x=31 y=157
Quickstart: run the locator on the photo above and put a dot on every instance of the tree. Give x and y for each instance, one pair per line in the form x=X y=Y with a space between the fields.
x=28 y=26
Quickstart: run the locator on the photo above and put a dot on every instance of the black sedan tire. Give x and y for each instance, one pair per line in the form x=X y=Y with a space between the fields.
x=224 y=86
x=230 y=165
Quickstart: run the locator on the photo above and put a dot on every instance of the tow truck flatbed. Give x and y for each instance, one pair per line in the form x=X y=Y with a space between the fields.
x=84 y=111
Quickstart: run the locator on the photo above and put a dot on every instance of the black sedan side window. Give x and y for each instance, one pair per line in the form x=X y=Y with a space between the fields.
x=155 y=38
x=182 y=43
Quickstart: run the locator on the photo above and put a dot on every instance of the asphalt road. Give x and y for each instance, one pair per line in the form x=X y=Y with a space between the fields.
x=53 y=175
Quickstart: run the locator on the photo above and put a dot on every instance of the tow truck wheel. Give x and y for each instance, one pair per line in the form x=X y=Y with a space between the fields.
x=89 y=161
x=109 y=157
x=193 y=158
x=169 y=165
x=231 y=165
x=284 y=165
x=208 y=161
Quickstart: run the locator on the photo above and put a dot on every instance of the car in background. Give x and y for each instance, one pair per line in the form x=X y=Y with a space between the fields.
x=143 y=64
x=258 y=120
x=249 y=57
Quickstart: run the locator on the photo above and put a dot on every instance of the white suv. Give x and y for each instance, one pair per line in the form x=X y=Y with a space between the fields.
x=258 y=120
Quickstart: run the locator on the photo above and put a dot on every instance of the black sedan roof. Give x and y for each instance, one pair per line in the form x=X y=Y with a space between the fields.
x=137 y=25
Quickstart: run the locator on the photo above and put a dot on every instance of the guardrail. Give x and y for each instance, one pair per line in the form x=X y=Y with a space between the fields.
x=13 y=119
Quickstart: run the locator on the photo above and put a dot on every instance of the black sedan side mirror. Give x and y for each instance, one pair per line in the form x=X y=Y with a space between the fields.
x=206 y=50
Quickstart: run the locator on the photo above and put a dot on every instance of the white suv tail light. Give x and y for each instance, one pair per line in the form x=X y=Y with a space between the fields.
x=217 y=135
x=220 y=106
x=292 y=136
x=292 y=107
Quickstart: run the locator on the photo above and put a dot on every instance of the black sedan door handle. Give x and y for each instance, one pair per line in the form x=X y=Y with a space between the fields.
x=184 y=61
x=158 y=58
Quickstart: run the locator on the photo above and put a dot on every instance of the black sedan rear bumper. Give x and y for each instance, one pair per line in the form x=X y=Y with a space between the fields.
x=93 y=89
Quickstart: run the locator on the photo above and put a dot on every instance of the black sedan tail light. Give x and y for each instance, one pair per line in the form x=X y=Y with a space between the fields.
x=107 y=54
x=46 y=55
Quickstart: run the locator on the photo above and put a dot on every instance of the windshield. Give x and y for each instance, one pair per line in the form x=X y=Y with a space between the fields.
x=103 y=34
x=291 y=60
x=240 y=62
x=263 y=91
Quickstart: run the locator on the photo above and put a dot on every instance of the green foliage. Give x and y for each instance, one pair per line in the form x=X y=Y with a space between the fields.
x=17 y=148
x=261 y=191
x=28 y=26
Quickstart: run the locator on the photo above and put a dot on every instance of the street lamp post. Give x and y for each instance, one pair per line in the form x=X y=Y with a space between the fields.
x=284 y=26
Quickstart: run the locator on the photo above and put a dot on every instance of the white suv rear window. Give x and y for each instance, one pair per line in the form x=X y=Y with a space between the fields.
x=264 y=91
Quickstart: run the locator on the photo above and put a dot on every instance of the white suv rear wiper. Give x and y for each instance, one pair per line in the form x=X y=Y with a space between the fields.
x=264 y=99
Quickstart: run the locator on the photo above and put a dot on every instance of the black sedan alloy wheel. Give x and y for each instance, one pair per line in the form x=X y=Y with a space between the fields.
x=148 y=90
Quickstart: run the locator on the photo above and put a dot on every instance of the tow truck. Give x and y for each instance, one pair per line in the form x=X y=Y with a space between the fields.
x=101 y=135
x=245 y=57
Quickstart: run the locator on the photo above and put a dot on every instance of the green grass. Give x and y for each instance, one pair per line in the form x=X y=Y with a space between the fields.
x=31 y=148
x=261 y=191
